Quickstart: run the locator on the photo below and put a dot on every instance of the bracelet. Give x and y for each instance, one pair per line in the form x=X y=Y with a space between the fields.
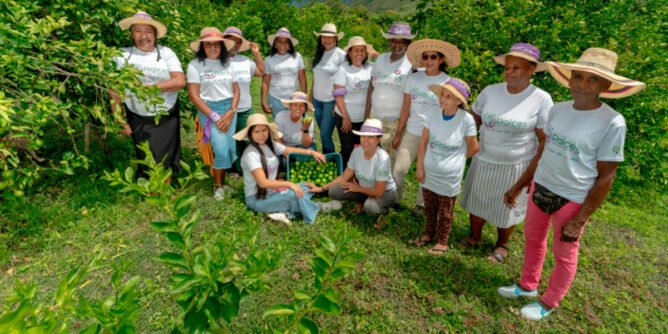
x=305 y=131
x=214 y=116
x=309 y=151
x=339 y=91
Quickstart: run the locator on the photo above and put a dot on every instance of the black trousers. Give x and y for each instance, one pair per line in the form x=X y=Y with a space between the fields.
x=348 y=140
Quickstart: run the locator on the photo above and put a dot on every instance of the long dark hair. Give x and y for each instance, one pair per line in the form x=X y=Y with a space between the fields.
x=261 y=193
x=224 y=56
x=320 y=51
x=291 y=50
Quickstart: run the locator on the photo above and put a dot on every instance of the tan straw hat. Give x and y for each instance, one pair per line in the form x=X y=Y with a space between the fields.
x=258 y=119
x=456 y=86
x=236 y=32
x=283 y=32
x=524 y=51
x=370 y=127
x=601 y=62
x=143 y=18
x=211 y=34
x=358 y=41
x=329 y=29
x=398 y=30
x=415 y=50
x=298 y=97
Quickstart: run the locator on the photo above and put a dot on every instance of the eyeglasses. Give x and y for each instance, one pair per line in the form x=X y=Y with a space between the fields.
x=432 y=56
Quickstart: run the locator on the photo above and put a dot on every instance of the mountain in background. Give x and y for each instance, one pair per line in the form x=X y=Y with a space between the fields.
x=376 y=6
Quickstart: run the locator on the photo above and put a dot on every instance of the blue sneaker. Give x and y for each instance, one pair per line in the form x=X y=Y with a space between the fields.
x=515 y=291
x=535 y=311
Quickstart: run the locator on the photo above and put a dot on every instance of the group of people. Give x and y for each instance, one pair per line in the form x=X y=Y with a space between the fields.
x=535 y=161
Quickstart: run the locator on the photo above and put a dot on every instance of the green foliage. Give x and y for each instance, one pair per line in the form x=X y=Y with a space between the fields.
x=115 y=314
x=332 y=262
x=635 y=30
x=208 y=280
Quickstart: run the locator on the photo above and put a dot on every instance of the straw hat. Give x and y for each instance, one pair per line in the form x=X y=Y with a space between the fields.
x=358 y=41
x=398 y=30
x=283 y=32
x=143 y=18
x=211 y=34
x=601 y=62
x=258 y=119
x=456 y=86
x=524 y=51
x=329 y=29
x=298 y=97
x=236 y=32
x=370 y=127
x=415 y=50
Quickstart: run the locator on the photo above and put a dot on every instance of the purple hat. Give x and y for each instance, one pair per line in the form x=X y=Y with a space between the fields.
x=524 y=51
x=456 y=86
x=370 y=127
x=283 y=32
x=398 y=30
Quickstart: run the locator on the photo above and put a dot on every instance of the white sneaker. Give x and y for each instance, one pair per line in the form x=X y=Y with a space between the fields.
x=515 y=291
x=279 y=217
x=332 y=205
x=535 y=311
x=219 y=194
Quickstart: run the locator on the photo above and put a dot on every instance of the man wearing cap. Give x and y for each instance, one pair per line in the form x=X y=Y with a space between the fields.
x=388 y=78
x=571 y=174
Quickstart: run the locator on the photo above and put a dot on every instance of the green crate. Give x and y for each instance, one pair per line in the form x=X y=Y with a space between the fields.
x=335 y=157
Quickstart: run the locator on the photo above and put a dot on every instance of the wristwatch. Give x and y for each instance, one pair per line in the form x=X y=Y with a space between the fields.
x=305 y=131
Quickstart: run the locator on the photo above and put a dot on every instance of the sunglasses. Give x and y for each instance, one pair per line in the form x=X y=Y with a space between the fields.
x=432 y=56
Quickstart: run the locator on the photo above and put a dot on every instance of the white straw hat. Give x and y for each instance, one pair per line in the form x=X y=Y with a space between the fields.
x=143 y=18
x=359 y=41
x=298 y=97
x=283 y=32
x=329 y=29
x=211 y=34
x=258 y=119
x=370 y=127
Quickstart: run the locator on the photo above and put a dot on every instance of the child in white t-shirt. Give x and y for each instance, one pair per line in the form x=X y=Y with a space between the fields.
x=448 y=139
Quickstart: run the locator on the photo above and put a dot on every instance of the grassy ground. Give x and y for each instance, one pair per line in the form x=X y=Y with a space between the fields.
x=621 y=284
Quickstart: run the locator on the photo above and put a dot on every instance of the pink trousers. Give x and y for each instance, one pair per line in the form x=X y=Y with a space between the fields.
x=536 y=228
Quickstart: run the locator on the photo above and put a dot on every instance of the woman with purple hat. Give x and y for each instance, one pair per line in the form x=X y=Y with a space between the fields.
x=284 y=72
x=511 y=116
x=434 y=56
x=326 y=62
x=448 y=140
x=366 y=180
x=214 y=90
x=160 y=68
x=570 y=174
x=244 y=69
x=388 y=78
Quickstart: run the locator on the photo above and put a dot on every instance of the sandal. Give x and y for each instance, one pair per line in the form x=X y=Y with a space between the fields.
x=436 y=250
x=497 y=256
x=421 y=240
x=469 y=243
x=380 y=222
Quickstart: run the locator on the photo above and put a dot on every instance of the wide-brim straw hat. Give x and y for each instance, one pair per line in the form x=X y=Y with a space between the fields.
x=298 y=97
x=211 y=34
x=236 y=32
x=524 y=51
x=457 y=87
x=370 y=127
x=398 y=30
x=143 y=18
x=257 y=119
x=601 y=62
x=359 y=41
x=283 y=32
x=415 y=50
x=329 y=29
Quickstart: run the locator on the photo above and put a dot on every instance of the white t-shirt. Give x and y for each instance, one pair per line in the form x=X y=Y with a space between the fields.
x=423 y=100
x=251 y=161
x=284 y=71
x=292 y=131
x=509 y=122
x=244 y=69
x=576 y=140
x=215 y=81
x=323 y=74
x=154 y=71
x=356 y=80
x=375 y=169
x=389 y=79
x=445 y=156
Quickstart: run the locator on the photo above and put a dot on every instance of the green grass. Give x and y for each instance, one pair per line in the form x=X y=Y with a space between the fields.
x=621 y=285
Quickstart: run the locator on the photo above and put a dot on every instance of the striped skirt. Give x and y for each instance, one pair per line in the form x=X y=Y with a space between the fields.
x=483 y=191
